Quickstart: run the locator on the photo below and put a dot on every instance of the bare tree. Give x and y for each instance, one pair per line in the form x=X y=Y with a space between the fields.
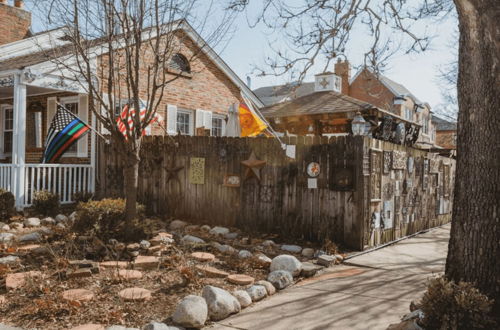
x=323 y=28
x=121 y=51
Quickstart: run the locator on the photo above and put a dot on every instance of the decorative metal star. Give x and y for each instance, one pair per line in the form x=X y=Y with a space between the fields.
x=172 y=170
x=253 y=166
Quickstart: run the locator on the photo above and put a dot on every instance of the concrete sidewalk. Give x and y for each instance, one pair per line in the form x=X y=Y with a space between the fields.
x=373 y=291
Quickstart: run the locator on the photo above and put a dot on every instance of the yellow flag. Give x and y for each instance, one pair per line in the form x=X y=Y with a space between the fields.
x=251 y=124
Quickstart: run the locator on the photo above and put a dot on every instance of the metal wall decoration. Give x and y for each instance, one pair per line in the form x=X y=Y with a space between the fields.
x=388 y=190
x=253 y=166
x=398 y=160
x=434 y=166
x=397 y=205
x=425 y=182
x=266 y=194
x=397 y=188
x=426 y=166
x=407 y=186
x=231 y=180
x=410 y=165
x=7 y=81
x=375 y=174
x=446 y=180
x=387 y=162
x=197 y=170
x=172 y=170
x=388 y=214
x=342 y=179
x=313 y=169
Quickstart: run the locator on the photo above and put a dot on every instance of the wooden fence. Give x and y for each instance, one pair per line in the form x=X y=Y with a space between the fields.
x=193 y=178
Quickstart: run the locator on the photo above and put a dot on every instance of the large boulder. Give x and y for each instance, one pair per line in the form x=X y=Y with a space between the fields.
x=32 y=222
x=269 y=287
x=288 y=263
x=257 y=292
x=220 y=303
x=191 y=312
x=280 y=279
x=243 y=297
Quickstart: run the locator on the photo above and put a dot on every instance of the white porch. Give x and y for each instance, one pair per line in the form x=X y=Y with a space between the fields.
x=20 y=174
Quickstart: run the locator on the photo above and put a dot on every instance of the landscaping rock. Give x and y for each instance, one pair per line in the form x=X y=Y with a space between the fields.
x=280 y=279
x=16 y=225
x=191 y=228
x=243 y=254
x=178 y=224
x=162 y=238
x=269 y=287
x=32 y=222
x=129 y=274
x=61 y=226
x=264 y=260
x=3 y=300
x=243 y=298
x=309 y=269
x=156 y=326
x=227 y=249
x=231 y=235
x=31 y=237
x=9 y=260
x=144 y=244
x=78 y=295
x=268 y=243
x=61 y=218
x=120 y=327
x=326 y=260
x=6 y=237
x=188 y=239
x=291 y=248
x=89 y=326
x=288 y=263
x=219 y=231
x=146 y=262
x=135 y=294
x=203 y=256
x=257 y=292
x=17 y=280
x=5 y=227
x=212 y=271
x=191 y=312
x=240 y=279
x=308 y=252
x=114 y=264
x=79 y=273
x=133 y=247
x=48 y=221
x=220 y=303
x=339 y=258
x=205 y=228
x=4 y=326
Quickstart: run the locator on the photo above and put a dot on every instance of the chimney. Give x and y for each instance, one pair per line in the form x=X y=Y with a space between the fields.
x=15 y=22
x=343 y=70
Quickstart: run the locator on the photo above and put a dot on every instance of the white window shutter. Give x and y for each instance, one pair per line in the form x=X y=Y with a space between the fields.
x=207 y=119
x=83 y=114
x=199 y=120
x=1 y=131
x=171 y=119
x=51 y=111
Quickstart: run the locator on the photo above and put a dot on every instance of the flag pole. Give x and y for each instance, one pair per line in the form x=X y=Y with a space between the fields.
x=76 y=117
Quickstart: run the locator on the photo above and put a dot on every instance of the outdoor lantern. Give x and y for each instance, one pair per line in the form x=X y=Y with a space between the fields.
x=358 y=124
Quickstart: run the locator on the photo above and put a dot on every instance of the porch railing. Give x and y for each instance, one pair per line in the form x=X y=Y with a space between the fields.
x=6 y=177
x=64 y=180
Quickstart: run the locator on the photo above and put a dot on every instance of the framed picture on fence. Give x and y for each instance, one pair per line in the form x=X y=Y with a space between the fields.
x=342 y=178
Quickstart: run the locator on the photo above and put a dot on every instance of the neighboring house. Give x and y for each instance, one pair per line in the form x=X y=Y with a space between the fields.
x=365 y=89
x=30 y=87
x=446 y=133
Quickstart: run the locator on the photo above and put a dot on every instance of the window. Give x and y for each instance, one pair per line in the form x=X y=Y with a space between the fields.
x=8 y=125
x=408 y=114
x=217 y=126
x=185 y=122
x=72 y=105
x=179 y=63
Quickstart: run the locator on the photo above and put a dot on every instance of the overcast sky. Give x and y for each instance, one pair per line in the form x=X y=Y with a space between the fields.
x=247 y=48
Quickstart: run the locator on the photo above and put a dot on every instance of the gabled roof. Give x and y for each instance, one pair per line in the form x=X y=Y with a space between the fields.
x=443 y=124
x=270 y=95
x=316 y=103
x=396 y=88
x=20 y=54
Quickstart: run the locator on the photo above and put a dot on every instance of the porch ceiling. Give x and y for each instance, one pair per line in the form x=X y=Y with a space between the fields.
x=8 y=92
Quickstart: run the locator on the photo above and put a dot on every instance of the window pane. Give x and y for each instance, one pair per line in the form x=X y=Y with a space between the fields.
x=183 y=123
x=216 y=127
x=7 y=142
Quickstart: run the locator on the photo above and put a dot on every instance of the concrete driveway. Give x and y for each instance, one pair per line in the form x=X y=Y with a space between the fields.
x=371 y=292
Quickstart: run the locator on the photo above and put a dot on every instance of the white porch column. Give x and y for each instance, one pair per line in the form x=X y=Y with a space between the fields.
x=19 y=140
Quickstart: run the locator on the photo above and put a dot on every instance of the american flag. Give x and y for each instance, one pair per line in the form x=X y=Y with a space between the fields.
x=123 y=122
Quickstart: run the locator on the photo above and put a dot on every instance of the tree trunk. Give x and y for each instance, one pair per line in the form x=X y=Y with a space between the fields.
x=473 y=253
x=131 y=177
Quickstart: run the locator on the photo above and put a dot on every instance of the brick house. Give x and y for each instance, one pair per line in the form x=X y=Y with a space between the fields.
x=328 y=105
x=446 y=133
x=30 y=87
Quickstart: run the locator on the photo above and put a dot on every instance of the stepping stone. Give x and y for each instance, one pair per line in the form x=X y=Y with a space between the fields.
x=212 y=271
x=114 y=264
x=326 y=260
x=135 y=294
x=78 y=295
x=3 y=300
x=146 y=262
x=203 y=256
x=310 y=269
x=28 y=248
x=17 y=280
x=240 y=279
x=129 y=274
x=89 y=326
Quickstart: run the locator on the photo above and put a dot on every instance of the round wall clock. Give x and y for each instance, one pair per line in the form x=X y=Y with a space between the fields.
x=313 y=169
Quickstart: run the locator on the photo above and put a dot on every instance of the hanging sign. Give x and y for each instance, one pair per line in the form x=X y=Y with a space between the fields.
x=313 y=169
x=197 y=170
